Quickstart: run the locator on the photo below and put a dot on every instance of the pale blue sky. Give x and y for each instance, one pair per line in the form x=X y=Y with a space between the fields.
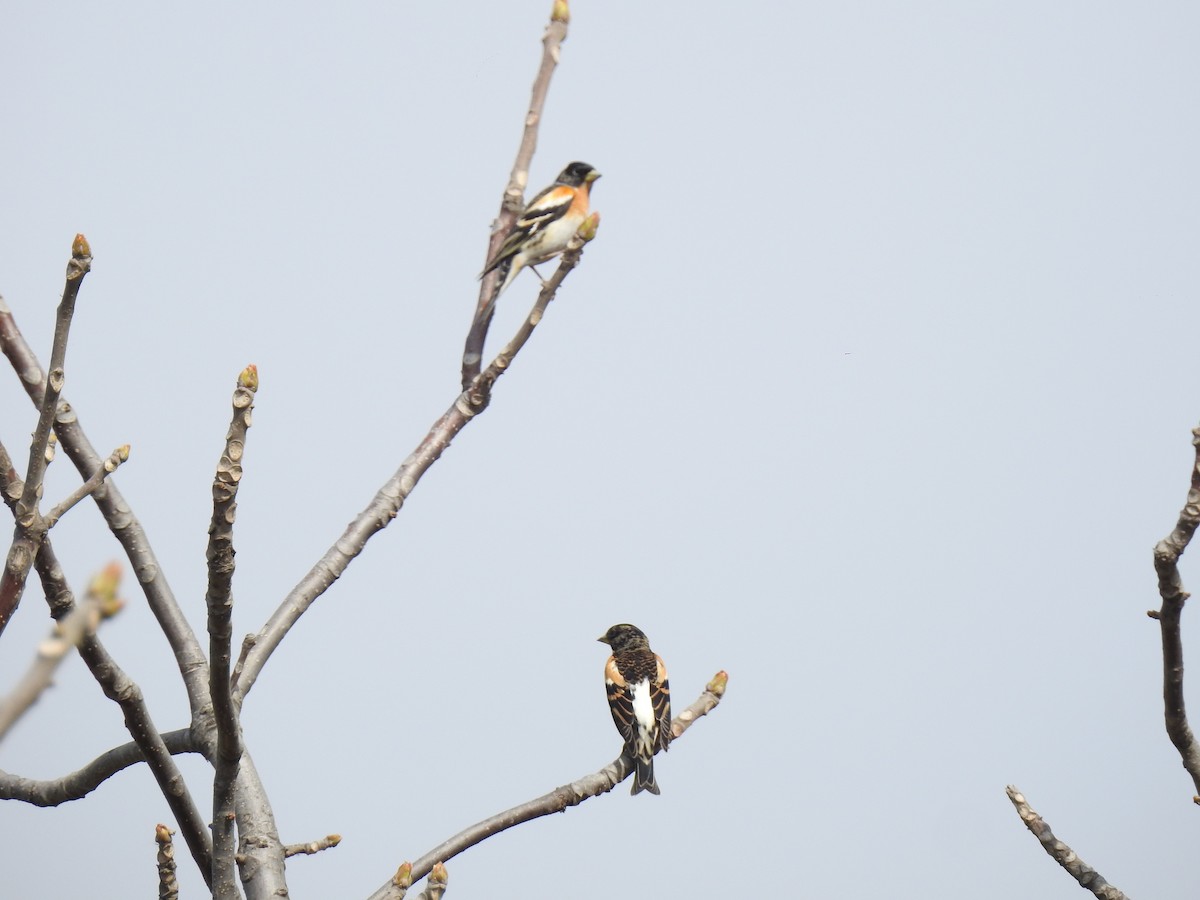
x=875 y=390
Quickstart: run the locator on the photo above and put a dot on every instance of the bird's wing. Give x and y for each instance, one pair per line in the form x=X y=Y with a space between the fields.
x=660 y=696
x=547 y=207
x=619 y=700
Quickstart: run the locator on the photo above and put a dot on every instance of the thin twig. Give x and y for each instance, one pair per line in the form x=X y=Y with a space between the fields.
x=118 y=515
x=1087 y=877
x=558 y=800
x=77 y=267
x=1170 y=589
x=25 y=538
x=331 y=840
x=81 y=782
x=11 y=484
x=219 y=601
x=50 y=654
x=512 y=203
x=106 y=468
x=101 y=603
x=386 y=503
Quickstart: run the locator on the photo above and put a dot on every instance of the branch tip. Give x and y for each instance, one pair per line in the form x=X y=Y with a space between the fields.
x=561 y=12
x=103 y=589
x=718 y=683
x=403 y=876
x=312 y=847
x=80 y=248
x=249 y=378
x=587 y=231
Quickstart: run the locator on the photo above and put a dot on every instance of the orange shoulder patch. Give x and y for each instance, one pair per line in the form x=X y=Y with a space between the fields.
x=612 y=674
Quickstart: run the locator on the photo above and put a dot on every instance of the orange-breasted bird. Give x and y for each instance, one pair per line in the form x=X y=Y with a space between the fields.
x=640 y=699
x=546 y=225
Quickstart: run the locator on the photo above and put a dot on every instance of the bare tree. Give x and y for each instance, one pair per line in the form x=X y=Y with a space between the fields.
x=237 y=848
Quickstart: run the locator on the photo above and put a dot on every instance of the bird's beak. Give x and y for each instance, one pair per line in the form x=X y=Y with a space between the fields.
x=601 y=639
x=592 y=176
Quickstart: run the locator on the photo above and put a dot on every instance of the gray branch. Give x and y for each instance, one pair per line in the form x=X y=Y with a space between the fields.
x=117 y=514
x=513 y=201
x=1170 y=589
x=219 y=602
x=386 y=504
x=1087 y=877
x=81 y=782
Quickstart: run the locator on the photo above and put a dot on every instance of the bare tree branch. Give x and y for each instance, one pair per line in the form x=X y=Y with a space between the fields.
x=1170 y=589
x=168 y=885
x=122 y=690
x=329 y=841
x=106 y=468
x=558 y=800
x=50 y=654
x=1087 y=877
x=101 y=603
x=54 y=586
x=80 y=783
x=117 y=514
x=513 y=200
x=78 y=266
x=386 y=504
x=219 y=601
x=11 y=485
x=254 y=814
x=26 y=538
x=117 y=686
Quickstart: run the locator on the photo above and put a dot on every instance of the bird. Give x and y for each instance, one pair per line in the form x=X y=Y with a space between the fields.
x=639 y=698
x=545 y=226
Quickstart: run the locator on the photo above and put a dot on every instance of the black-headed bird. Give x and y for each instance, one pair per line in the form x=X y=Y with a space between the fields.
x=640 y=699
x=545 y=227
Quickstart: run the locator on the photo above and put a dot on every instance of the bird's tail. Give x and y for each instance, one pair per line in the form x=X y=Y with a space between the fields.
x=643 y=775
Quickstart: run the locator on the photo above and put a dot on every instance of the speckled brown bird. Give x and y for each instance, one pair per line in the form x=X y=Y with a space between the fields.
x=640 y=699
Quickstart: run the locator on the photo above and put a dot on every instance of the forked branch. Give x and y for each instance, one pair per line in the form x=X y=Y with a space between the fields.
x=385 y=505
x=118 y=515
x=31 y=528
x=1170 y=589
x=512 y=202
